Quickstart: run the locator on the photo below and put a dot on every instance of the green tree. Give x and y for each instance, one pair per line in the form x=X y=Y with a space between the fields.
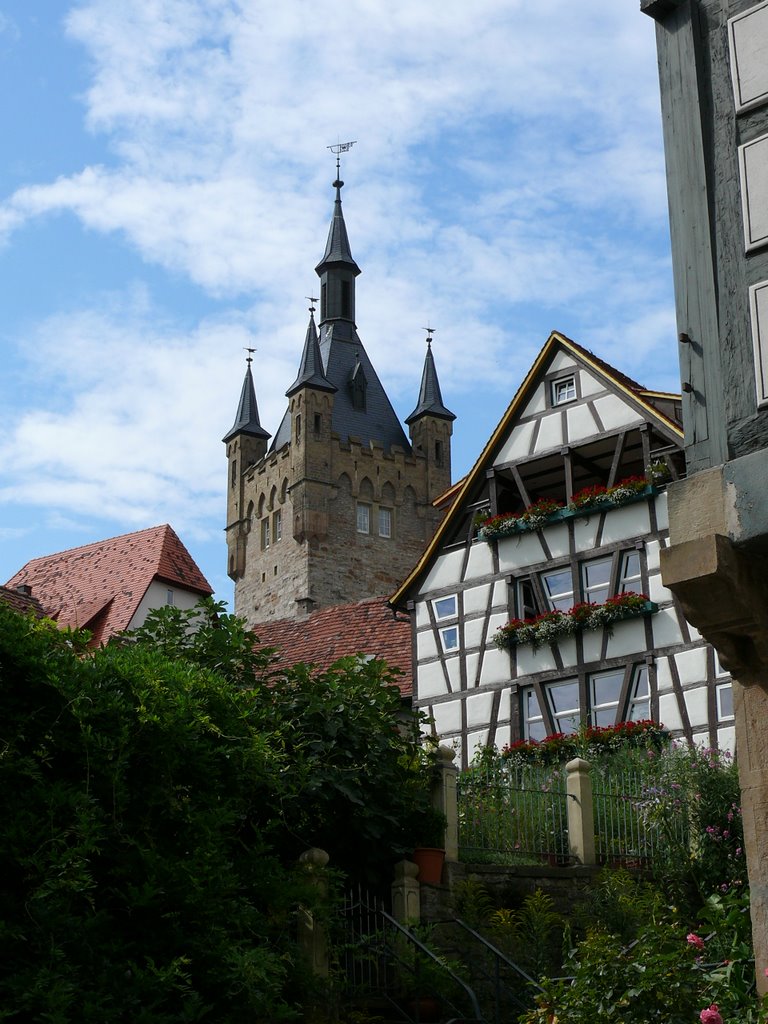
x=154 y=796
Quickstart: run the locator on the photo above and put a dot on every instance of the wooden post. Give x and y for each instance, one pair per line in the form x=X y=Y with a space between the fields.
x=313 y=940
x=581 y=814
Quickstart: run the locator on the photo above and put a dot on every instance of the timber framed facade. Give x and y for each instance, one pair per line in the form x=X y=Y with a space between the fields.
x=575 y=423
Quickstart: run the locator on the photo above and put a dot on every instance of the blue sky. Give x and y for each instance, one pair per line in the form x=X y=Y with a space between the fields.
x=165 y=195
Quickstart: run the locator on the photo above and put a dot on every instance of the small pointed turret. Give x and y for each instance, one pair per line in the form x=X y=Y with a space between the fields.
x=430 y=401
x=311 y=372
x=337 y=269
x=247 y=418
x=337 y=248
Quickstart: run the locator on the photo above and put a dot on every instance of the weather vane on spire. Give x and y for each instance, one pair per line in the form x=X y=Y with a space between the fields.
x=312 y=299
x=430 y=331
x=340 y=147
x=249 y=357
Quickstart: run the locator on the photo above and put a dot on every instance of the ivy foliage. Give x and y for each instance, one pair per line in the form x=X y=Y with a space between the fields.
x=155 y=795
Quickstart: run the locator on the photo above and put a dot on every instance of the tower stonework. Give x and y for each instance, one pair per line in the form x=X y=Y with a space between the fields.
x=340 y=505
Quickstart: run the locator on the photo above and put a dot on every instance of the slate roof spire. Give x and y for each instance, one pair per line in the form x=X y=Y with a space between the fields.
x=247 y=418
x=430 y=401
x=337 y=248
x=311 y=372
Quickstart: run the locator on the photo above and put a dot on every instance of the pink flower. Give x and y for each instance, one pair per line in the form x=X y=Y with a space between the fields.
x=695 y=940
x=711 y=1016
x=765 y=972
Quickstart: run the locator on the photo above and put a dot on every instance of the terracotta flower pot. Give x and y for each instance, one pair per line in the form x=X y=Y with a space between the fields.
x=430 y=864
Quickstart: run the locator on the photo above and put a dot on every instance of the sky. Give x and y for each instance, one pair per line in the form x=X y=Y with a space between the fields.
x=165 y=194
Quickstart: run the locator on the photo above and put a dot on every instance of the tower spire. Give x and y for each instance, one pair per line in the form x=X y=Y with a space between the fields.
x=247 y=418
x=311 y=373
x=430 y=401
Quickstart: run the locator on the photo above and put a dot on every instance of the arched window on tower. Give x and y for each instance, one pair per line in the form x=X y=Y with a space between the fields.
x=345 y=303
x=323 y=300
x=438 y=453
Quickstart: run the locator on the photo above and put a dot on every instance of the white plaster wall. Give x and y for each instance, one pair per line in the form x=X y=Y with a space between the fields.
x=567 y=649
x=500 y=593
x=473 y=632
x=585 y=532
x=581 y=423
x=665 y=628
x=663 y=675
x=593 y=640
x=480 y=562
x=696 y=703
x=615 y=413
x=538 y=401
x=430 y=682
x=628 y=638
x=692 y=665
x=520 y=550
x=426 y=647
x=496 y=668
x=479 y=707
x=517 y=445
x=726 y=738
x=557 y=539
x=529 y=661
x=652 y=552
x=422 y=614
x=662 y=511
x=446 y=571
x=590 y=385
x=550 y=432
x=625 y=522
x=562 y=361
x=503 y=736
x=656 y=589
x=476 y=598
x=472 y=660
x=447 y=717
x=669 y=714
x=453 y=668
x=476 y=739
x=155 y=597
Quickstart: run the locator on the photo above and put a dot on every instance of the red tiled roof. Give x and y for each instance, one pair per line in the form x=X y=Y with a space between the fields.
x=21 y=602
x=100 y=586
x=323 y=637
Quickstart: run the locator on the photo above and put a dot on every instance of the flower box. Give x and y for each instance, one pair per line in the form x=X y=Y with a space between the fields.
x=553 y=626
x=537 y=516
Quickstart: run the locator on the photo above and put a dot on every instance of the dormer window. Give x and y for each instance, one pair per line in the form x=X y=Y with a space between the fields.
x=358 y=386
x=564 y=390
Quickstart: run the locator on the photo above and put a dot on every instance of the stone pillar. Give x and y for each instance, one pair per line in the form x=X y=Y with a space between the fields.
x=723 y=591
x=581 y=814
x=444 y=799
x=406 y=899
x=313 y=940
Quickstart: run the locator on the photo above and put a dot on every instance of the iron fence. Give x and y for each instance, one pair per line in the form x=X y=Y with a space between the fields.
x=513 y=814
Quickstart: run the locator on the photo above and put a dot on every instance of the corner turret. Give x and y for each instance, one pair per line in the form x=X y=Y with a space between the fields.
x=431 y=426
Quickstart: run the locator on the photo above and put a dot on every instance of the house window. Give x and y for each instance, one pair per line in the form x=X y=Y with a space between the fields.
x=169 y=597
x=265 y=534
x=564 y=704
x=449 y=638
x=363 y=518
x=527 y=607
x=639 y=706
x=385 y=522
x=445 y=607
x=533 y=720
x=277 y=525
x=630 y=575
x=724 y=693
x=559 y=589
x=596 y=580
x=604 y=696
x=564 y=390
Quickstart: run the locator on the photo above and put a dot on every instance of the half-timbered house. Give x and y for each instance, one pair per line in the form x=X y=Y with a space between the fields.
x=576 y=429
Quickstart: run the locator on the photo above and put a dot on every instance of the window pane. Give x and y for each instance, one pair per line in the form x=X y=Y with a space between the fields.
x=532 y=709
x=563 y=390
x=640 y=700
x=526 y=600
x=445 y=607
x=535 y=730
x=603 y=717
x=724 y=702
x=385 y=522
x=559 y=588
x=533 y=721
x=606 y=688
x=597 y=579
x=564 y=697
x=363 y=519
x=450 y=638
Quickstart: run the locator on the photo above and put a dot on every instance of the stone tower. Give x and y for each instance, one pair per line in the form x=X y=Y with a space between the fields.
x=339 y=506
